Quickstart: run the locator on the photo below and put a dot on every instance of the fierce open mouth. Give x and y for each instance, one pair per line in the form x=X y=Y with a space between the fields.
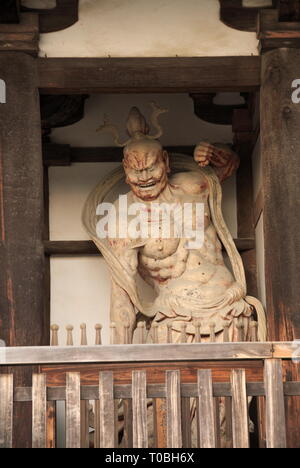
x=147 y=186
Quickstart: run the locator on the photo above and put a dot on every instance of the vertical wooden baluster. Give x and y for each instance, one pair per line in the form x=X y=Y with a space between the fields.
x=197 y=325
x=155 y=332
x=51 y=424
x=228 y=422
x=113 y=339
x=98 y=342
x=240 y=415
x=183 y=337
x=275 y=410
x=254 y=331
x=98 y=338
x=207 y=427
x=128 y=416
x=73 y=434
x=70 y=329
x=174 y=432
x=186 y=422
x=218 y=421
x=39 y=411
x=6 y=410
x=241 y=329
x=51 y=405
x=84 y=404
x=107 y=410
x=169 y=332
x=83 y=337
x=226 y=332
x=141 y=332
x=139 y=409
x=54 y=335
x=212 y=328
x=127 y=333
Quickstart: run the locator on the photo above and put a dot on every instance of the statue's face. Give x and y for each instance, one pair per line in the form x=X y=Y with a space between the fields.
x=147 y=173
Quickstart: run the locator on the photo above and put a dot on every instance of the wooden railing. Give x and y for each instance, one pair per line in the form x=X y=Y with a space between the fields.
x=130 y=385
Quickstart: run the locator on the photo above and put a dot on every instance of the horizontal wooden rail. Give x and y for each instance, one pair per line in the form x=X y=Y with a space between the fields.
x=149 y=75
x=91 y=392
x=66 y=248
x=138 y=353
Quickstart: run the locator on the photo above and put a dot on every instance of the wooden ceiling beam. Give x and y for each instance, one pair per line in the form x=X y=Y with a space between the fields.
x=149 y=75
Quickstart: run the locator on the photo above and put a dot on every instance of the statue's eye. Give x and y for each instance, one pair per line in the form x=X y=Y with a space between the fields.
x=152 y=169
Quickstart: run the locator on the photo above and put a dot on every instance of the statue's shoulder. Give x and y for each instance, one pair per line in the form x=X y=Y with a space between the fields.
x=192 y=182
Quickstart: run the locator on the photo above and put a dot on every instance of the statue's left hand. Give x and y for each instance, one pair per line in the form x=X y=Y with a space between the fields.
x=221 y=157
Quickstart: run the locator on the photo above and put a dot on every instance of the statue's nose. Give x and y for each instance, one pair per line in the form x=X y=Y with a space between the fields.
x=145 y=176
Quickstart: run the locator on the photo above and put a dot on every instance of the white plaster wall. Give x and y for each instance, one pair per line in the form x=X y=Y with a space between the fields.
x=139 y=28
x=80 y=287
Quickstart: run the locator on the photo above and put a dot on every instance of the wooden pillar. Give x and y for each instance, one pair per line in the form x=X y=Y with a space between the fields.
x=23 y=320
x=280 y=140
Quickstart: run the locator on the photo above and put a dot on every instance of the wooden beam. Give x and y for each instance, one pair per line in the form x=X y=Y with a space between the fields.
x=24 y=321
x=134 y=353
x=148 y=75
x=64 y=155
x=280 y=147
x=68 y=248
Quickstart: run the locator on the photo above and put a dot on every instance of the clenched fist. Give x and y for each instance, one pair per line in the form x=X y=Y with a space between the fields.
x=222 y=158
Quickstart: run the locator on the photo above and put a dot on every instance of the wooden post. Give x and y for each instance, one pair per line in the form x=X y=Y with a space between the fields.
x=280 y=145
x=24 y=319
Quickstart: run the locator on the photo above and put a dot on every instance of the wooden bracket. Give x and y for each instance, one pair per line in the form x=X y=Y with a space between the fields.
x=64 y=15
x=235 y=15
x=22 y=36
x=207 y=110
x=61 y=110
x=274 y=33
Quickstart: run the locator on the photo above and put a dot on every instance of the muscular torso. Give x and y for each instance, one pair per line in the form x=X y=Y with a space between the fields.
x=163 y=262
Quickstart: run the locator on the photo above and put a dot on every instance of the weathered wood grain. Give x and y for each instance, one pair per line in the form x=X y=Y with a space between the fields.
x=275 y=412
x=39 y=411
x=280 y=146
x=107 y=412
x=6 y=410
x=136 y=353
x=139 y=409
x=174 y=431
x=240 y=424
x=195 y=75
x=158 y=391
x=186 y=421
x=51 y=424
x=206 y=410
x=73 y=410
x=24 y=318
